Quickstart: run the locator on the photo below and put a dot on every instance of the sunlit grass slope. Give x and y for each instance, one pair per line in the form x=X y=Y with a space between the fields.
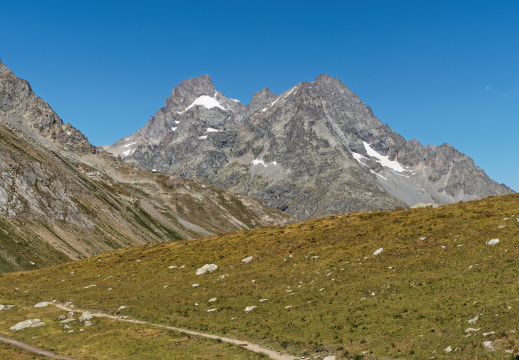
x=328 y=294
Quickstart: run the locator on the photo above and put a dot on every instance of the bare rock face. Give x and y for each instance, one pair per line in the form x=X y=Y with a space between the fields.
x=314 y=150
x=22 y=109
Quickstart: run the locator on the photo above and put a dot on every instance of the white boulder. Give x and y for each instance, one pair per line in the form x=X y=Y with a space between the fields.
x=492 y=241
x=379 y=251
x=247 y=259
x=206 y=268
x=42 y=304
x=27 y=323
x=86 y=316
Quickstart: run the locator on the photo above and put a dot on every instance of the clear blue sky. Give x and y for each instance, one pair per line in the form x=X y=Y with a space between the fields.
x=438 y=71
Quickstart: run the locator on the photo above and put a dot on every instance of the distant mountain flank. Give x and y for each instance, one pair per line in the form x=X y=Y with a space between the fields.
x=314 y=150
x=62 y=199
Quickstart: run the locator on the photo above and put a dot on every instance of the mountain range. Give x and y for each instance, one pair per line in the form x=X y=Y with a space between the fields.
x=62 y=199
x=314 y=150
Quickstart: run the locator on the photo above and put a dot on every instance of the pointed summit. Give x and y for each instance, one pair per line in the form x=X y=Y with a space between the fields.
x=189 y=90
x=23 y=110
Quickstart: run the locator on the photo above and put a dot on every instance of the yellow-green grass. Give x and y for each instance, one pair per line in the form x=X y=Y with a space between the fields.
x=11 y=352
x=328 y=293
x=109 y=339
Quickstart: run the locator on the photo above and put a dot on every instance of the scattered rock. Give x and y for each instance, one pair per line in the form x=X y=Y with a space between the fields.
x=211 y=310
x=121 y=307
x=488 y=345
x=378 y=251
x=206 y=268
x=489 y=333
x=6 y=307
x=492 y=242
x=195 y=285
x=472 y=330
x=27 y=323
x=87 y=323
x=42 y=304
x=89 y=286
x=61 y=317
x=247 y=259
x=448 y=349
x=212 y=300
x=473 y=320
x=329 y=358
x=70 y=315
x=250 y=308
x=86 y=316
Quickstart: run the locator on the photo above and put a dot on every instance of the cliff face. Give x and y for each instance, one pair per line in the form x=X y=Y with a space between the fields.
x=314 y=150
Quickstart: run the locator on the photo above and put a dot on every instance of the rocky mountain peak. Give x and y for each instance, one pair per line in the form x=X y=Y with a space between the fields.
x=188 y=90
x=262 y=97
x=26 y=112
x=314 y=150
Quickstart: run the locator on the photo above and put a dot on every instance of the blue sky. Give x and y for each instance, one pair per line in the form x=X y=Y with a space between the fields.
x=438 y=71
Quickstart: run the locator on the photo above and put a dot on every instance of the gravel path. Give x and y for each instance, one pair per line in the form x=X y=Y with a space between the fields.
x=247 y=345
x=33 y=349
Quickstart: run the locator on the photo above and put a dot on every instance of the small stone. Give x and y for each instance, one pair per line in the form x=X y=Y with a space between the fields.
x=42 y=304
x=207 y=268
x=378 y=251
x=247 y=259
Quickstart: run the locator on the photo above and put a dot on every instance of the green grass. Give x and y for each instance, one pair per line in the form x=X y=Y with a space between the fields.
x=328 y=293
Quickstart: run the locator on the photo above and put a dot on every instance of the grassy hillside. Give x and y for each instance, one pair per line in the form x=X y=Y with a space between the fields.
x=435 y=285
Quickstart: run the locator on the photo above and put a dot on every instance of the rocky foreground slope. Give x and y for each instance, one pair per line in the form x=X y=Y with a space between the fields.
x=313 y=150
x=61 y=199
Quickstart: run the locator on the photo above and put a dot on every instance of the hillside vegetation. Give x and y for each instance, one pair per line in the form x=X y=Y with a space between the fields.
x=435 y=289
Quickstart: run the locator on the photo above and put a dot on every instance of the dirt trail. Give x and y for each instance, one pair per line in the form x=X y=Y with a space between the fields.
x=247 y=345
x=33 y=349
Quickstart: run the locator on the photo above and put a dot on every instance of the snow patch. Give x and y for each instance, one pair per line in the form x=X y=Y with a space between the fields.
x=203 y=137
x=130 y=144
x=173 y=128
x=257 y=162
x=205 y=101
x=358 y=156
x=377 y=174
x=383 y=160
x=210 y=129
x=177 y=122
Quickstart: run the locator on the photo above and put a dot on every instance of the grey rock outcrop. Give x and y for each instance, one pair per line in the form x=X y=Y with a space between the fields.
x=314 y=150
x=26 y=112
